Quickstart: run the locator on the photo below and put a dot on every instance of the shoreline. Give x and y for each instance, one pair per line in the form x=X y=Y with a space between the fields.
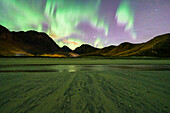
x=85 y=61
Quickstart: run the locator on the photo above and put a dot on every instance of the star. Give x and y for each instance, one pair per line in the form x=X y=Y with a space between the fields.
x=156 y=10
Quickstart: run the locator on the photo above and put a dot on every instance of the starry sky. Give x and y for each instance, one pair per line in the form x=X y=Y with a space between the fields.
x=96 y=22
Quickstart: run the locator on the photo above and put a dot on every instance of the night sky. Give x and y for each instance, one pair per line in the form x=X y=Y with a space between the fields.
x=97 y=22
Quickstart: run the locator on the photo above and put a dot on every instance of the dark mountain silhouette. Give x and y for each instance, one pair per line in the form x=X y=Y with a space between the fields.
x=32 y=43
x=85 y=48
x=66 y=49
x=26 y=43
x=157 y=47
x=101 y=52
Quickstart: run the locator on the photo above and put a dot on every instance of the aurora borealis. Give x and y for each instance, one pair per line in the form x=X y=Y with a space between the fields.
x=96 y=22
x=125 y=16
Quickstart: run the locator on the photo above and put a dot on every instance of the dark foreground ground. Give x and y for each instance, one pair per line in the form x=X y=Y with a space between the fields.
x=134 y=88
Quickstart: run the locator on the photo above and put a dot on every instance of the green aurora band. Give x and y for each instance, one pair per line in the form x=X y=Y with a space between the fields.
x=98 y=43
x=125 y=16
x=60 y=16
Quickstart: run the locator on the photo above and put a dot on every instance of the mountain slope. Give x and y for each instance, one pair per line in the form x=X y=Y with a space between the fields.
x=36 y=43
x=26 y=43
x=158 y=46
x=7 y=47
x=121 y=48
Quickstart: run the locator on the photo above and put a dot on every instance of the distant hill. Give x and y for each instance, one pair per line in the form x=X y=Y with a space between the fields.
x=101 y=52
x=85 y=48
x=66 y=49
x=121 y=48
x=26 y=43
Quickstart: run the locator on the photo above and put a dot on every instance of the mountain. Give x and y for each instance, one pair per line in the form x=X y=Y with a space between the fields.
x=84 y=49
x=32 y=43
x=101 y=52
x=66 y=49
x=26 y=43
x=121 y=48
x=156 y=47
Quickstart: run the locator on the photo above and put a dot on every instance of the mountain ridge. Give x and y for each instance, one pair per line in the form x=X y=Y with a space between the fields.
x=33 y=43
x=85 y=48
x=159 y=46
x=26 y=43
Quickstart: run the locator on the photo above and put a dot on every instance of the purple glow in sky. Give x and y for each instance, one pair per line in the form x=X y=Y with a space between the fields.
x=96 y=22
